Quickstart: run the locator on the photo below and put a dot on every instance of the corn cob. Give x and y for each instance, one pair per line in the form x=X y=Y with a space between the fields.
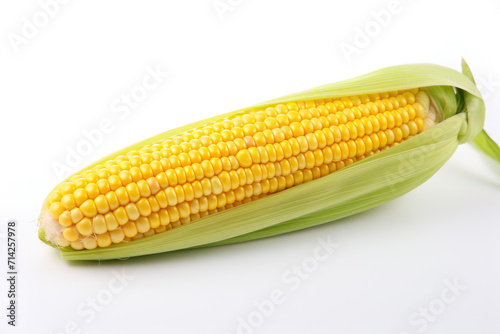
x=178 y=180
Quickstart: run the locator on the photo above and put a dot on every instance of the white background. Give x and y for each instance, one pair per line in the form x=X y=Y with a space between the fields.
x=392 y=262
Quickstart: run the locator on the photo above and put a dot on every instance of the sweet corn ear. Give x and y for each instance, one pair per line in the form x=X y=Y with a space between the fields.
x=136 y=201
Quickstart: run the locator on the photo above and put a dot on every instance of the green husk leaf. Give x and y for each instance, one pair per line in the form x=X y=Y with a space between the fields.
x=485 y=144
x=445 y=100
x=482 y=141
x=353 y=189
x=474 y=109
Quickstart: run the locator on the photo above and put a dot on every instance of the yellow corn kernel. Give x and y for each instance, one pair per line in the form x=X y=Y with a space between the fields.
x=99 y=224
x=89 y=243
x=88 y=208
x=103 y=240
x=65 y=219
x=71 y=234
x=56 y=209
x=143 y=225
x=130 y=229
x=84 y=227
x=117 y=236
x=77 y=244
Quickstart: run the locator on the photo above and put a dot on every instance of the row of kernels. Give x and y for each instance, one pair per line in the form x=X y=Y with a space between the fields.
x=135 y=187
x=297 y=127
x=387 y=119
x=269 y=117
x=102 y=240
x=137 y=192
x=142 y=224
